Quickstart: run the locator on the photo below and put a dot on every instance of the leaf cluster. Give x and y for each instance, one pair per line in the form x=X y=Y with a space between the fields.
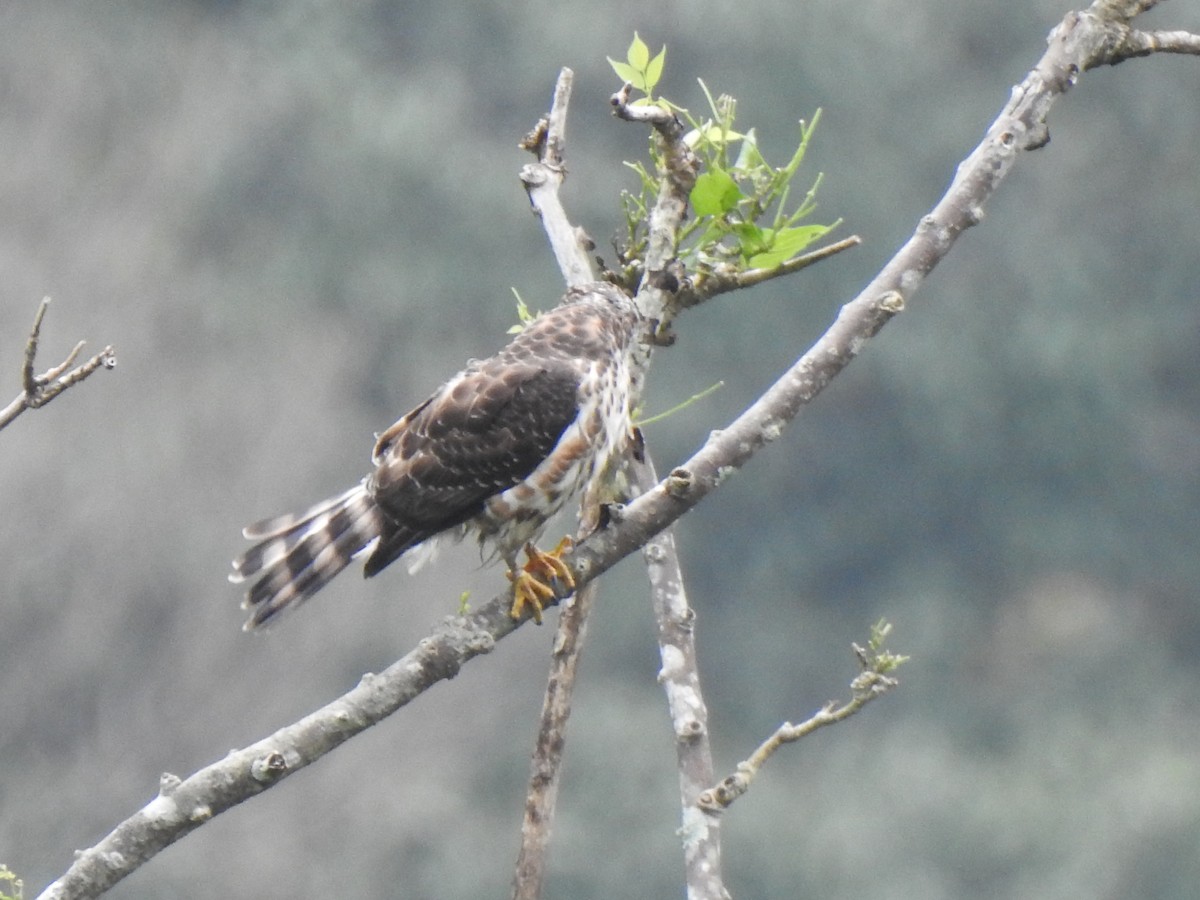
x=877 y=658
x=743 y=215
x=640 y=69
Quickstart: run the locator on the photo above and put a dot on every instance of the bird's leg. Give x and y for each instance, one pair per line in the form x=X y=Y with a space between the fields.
x=536 y=582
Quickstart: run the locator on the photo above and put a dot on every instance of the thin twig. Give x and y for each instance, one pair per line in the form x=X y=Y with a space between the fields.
x=38 y=390
x=1143 y=43
x=871 y=683
x=28 y=381
x=711 y=284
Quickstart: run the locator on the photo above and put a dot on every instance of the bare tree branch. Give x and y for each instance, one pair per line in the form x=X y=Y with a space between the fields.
x=184 y=805
x=1080 y=42
x=542 y=180
x=871 y=683
x=38 y=390
x=680 y=677
x=1143 y=43
x=546 y=763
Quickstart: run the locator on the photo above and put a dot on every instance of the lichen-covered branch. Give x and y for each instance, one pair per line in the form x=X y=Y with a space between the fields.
x=38 y=390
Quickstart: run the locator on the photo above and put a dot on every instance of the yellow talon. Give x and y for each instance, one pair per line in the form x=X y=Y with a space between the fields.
x=538 y=579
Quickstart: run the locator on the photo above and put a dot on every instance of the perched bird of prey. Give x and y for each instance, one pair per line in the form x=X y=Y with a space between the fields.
x=496 y=451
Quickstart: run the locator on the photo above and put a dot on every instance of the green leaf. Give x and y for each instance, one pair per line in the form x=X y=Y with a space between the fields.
x=679 y=407
x=752 y=239
x=524 y=316
x=639 y=69
x=782 y=245
x=628 y=73
x=638 y=53
x=713 y=134
x=714 y=193
x=654 y=69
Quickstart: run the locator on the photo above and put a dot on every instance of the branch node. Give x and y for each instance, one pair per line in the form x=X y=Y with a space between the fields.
x=533 y=176
x=657 y=117
x=200 y=814
x=892 y=302
x=168 y=784
x=653 y=553
x=269 y=768
x=717 y=799
x=611 y=514
x=679 y=483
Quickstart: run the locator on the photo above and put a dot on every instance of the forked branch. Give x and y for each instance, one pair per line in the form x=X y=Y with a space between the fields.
x=38 y=390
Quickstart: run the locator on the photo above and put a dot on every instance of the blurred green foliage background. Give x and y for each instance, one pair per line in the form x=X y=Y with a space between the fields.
x=293 y=220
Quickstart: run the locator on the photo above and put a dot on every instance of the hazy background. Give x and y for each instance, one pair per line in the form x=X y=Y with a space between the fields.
x=293 y=220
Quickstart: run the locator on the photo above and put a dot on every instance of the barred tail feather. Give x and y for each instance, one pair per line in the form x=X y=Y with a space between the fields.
x=298 y=555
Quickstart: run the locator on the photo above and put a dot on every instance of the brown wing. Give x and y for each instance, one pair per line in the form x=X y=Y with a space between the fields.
x=478 y=436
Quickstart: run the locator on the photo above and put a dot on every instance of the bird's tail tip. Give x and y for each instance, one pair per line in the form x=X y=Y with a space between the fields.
x=297 y=555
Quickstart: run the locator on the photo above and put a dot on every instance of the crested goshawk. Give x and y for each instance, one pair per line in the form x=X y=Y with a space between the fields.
x=496 y=451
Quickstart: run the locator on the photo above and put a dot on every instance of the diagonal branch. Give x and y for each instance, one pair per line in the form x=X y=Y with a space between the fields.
x=38 y=390
x=1079 y=43
x=870 y=684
